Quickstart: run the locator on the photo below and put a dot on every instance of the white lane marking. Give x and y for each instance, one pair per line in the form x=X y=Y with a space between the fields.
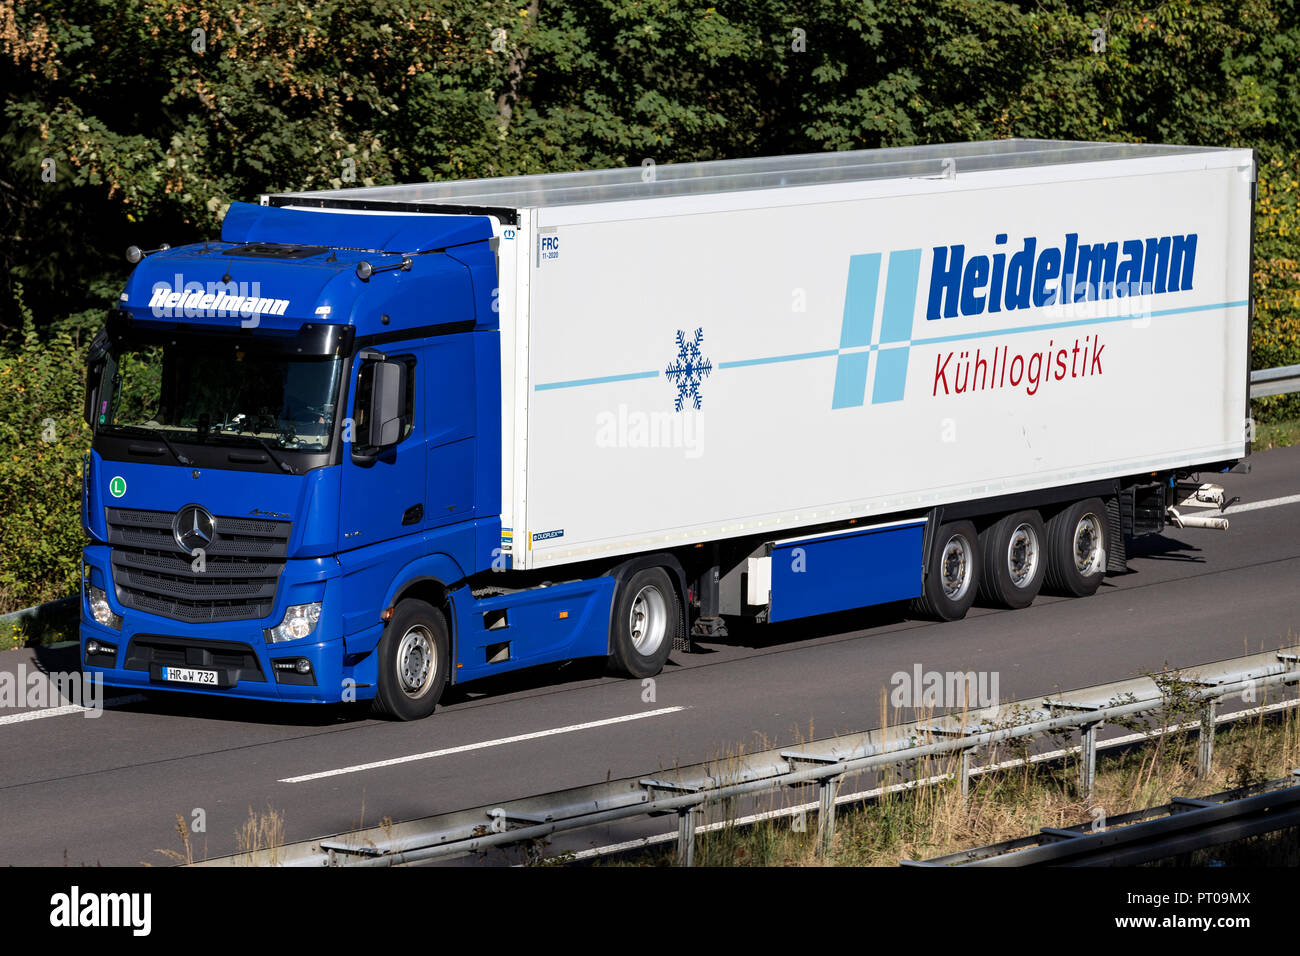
x=59 y=711
x=46 y=712
x=486 y=743
x=1267 y=503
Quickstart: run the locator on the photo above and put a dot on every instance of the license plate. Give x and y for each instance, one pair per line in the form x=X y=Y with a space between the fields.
x=189 y=675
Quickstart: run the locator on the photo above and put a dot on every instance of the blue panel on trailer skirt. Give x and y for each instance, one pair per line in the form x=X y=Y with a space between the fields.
x=821 y=575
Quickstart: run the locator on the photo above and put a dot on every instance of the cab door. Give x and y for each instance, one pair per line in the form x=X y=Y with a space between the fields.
x=383 y=494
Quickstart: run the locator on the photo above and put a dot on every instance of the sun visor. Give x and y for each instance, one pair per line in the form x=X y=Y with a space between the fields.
x=388 y=232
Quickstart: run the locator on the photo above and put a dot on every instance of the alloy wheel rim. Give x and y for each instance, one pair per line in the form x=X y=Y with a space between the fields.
x=955 y=567
x=1022 y=555
x=416 y=661
x=648 y=620
x=1087 y=543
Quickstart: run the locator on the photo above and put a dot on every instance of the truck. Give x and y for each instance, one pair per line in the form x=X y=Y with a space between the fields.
x=378 y=440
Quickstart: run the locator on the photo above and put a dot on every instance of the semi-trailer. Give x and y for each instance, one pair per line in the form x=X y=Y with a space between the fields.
x=379 y=440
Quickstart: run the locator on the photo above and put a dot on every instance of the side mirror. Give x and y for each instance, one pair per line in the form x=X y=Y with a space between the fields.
x=381 y=397
x=94 y=370
x=387 y=395
x=93 y=373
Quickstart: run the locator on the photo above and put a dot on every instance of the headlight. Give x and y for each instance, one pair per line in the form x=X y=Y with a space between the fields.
x=299 y=622
x=99 y=609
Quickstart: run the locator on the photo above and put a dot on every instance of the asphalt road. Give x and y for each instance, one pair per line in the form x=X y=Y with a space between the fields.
x=107 y=790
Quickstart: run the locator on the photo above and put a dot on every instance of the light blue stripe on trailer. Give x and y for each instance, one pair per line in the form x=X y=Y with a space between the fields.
x=845 y=570
x=599 y=380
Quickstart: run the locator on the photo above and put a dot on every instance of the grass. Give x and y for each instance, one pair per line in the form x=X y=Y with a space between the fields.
x=930 y=821
x=60 y=623
x=186 y=854
x=261 y=831
x=1276 y=435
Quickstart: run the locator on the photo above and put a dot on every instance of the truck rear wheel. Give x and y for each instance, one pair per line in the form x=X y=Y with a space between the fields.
x=414 y=660
x=1014 y=560
x=1076 y=548
x=647 y=618
x=953 y=574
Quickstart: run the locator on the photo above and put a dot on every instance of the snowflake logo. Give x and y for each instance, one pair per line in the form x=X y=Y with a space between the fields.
x=688 y=370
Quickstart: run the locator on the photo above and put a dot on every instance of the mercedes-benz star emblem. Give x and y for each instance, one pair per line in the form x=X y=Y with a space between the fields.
x=193 y=528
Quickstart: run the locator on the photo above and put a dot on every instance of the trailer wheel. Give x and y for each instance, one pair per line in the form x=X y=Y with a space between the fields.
x=1015 y=560
x=1076 y=548
x=414 y=660
x=953 y=574
x=647 y=617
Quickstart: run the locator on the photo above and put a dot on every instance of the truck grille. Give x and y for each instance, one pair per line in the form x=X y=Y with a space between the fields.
x=242 y=566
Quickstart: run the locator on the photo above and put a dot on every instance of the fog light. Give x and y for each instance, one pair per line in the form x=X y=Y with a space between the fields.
x=100 y=648
x=299 y=622
x=293 y=670
x=99 y=609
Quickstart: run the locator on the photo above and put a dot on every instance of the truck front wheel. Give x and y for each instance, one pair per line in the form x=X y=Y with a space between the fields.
x=414 y=660
x=953 y=575
x=1015 y=560
x=1076 y=546
x=647 y=617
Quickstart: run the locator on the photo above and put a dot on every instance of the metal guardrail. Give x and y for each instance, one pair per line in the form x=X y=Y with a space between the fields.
x=1180 y=826
x=41 y=614
x=1275 y=381
x=825 y=764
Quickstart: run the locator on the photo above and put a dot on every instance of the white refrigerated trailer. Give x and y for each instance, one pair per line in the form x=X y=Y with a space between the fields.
x=796 y=385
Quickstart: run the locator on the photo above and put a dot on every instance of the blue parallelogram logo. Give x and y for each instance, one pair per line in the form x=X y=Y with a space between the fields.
x=891 y=348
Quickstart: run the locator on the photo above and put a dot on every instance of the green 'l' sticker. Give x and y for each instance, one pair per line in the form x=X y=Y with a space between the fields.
x=117 y=487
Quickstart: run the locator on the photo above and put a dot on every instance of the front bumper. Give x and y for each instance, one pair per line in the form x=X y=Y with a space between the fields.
x=232 y=657
x=145 y=660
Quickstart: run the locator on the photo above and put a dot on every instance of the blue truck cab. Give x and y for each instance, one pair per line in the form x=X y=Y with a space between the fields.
x=296 y=453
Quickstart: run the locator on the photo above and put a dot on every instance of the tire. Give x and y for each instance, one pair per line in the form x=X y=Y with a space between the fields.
x=647 y=617
x=952 y=574
x=1014 y=549
x=414 y=661
x=1076 y=548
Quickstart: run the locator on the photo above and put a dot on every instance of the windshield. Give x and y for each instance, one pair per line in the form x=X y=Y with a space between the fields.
x=201 y=391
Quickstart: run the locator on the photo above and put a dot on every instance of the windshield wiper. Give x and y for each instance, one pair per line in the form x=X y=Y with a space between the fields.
x=245 y=438
x=157 y=433
x=284 y=465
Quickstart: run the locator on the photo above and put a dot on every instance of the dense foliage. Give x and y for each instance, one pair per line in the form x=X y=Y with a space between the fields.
x=140 y=121
x=42 y=441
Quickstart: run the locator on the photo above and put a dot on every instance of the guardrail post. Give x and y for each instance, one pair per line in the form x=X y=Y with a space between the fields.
x=964 y=773
x=1206 y=762
x=686 y=836
x=828 y=789
x=1088 y=757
